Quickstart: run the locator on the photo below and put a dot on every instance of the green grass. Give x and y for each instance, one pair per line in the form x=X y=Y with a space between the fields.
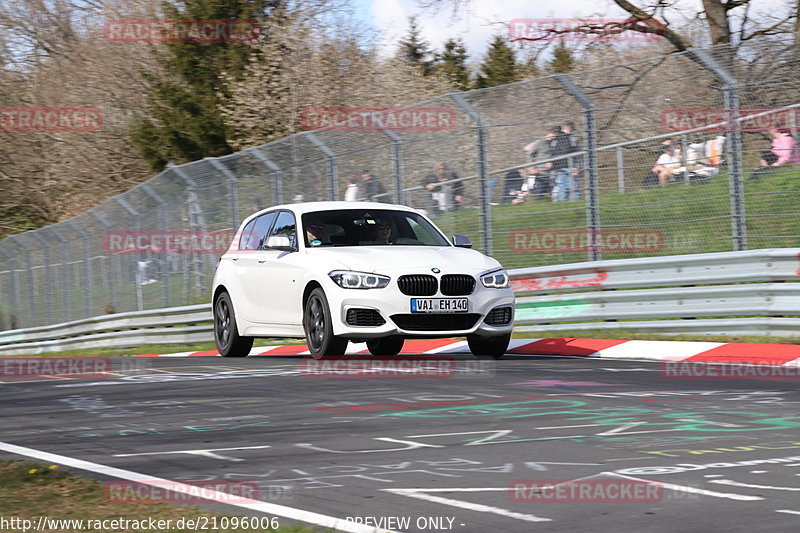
x=30 y=490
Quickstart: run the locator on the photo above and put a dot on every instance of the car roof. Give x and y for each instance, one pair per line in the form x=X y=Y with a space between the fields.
x=310 y=207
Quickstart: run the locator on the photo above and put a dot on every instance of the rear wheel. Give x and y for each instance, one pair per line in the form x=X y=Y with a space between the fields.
x=226 y=334
x=319 y=327
x=386 y=346
x=488 y=347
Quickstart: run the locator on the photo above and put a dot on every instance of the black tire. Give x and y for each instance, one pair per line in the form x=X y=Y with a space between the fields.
x=226 y=334
x=386 y=345
x=319 y=328
x=488 y=347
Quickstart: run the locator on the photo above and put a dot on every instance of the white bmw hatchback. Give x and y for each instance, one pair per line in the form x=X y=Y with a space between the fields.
x=334 y=272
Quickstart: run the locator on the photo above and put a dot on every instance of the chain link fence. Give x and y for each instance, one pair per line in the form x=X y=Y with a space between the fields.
x=157 y=244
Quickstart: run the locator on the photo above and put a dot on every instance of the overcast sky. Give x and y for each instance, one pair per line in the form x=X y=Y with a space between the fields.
x=483 y=19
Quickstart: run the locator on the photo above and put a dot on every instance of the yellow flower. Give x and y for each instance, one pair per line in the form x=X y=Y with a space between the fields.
x=32 y=471
x=53 y=467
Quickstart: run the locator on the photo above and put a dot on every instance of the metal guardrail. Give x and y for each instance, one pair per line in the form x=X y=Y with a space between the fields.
x=755 y=292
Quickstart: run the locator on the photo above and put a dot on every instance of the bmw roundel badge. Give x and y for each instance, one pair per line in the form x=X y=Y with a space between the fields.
x=435 y=270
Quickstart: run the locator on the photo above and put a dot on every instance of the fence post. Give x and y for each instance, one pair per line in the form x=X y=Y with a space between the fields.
x=87 y=267
x=621 y=168
x=330 y=159
x=397 y=156
x=162 y=214
x=232 y=184
x=13 y=317
x=734 y=142
x=196 y=221
x=483 y=170
x=112 y=287
x=137 y=288
x=685 y=158
x=66 y=306
x=593 y=186
x=48 y=275
x=276 y=173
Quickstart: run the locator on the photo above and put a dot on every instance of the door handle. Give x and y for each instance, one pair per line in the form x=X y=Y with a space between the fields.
x=234 y=258
x=262 y=260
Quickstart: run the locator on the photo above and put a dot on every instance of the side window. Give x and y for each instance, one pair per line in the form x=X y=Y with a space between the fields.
x=246 y=240
x=254 y=234
x=263 y=224
x=285 y=225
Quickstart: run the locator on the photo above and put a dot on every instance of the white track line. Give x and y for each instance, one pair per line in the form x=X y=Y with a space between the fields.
x=254 y=505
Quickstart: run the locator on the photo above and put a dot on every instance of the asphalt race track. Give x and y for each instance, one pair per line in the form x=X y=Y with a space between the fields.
x=451 y=444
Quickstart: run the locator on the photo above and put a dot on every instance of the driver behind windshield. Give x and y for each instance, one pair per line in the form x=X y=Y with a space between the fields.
x=380 y=232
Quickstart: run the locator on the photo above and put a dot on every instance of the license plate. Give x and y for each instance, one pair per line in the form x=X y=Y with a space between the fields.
x=439 y=305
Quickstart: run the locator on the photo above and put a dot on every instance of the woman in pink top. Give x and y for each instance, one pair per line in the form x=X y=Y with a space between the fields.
x=784 y=147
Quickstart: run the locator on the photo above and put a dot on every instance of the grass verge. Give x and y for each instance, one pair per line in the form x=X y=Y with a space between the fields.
x=29 y=491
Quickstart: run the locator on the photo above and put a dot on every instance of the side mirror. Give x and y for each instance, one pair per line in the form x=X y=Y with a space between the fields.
x=461 y=241
x=279 y=242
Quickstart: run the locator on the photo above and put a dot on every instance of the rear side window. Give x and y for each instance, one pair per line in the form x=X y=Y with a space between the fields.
x=255 y=233
x=285 y=225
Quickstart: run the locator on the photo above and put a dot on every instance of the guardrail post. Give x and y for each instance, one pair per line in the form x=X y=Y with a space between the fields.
x=483 y=169
x=65 y=284
x=232 y=185
x=621 y=169
x=593 y=186
x=277 y=175
x=48 y=275
x=87 y=267
x=734 y=144
x=330 y=159
x=162 y=214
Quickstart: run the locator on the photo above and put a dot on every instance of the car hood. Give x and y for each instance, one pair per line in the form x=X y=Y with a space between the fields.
x=406 y=259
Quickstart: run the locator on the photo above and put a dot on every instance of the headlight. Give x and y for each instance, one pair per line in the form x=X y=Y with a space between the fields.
x=358 y=280
x=496 y=280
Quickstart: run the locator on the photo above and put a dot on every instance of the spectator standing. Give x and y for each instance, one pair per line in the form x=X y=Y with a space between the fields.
x=372 y=187
x=539 y=173
x=565 y=186
x=446 y=194
x=351 y=191
x=784 y=147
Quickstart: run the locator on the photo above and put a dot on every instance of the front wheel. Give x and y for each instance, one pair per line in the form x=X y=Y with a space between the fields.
x=226 y=334
x=386 y=346
x=488 y=347
x=319 y=327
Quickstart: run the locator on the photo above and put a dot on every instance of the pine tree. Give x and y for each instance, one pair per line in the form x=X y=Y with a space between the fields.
x=414 y=50
x=452 y=62
x=499 y=67
x=183 y=121
x=563 y=60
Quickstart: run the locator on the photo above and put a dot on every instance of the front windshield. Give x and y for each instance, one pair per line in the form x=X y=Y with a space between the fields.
x=369 y=227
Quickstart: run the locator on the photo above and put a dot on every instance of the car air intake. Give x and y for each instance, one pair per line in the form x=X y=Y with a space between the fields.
x=417 y=285
x=457 y=284
x=364 y=318
x=499 y=316
x=436 y=321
